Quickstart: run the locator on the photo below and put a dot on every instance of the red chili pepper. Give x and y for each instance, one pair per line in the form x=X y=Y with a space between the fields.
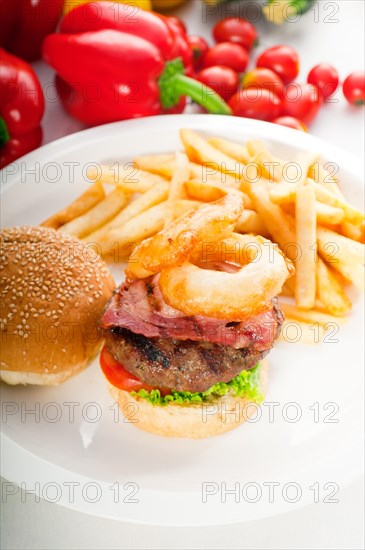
x=21 y=108
x=25 y=23
x=113 y=64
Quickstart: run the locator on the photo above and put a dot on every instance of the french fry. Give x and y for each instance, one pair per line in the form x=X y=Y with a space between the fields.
x=78 y=207
x=268 y=166
x=176 y=190
x=248 y=202
x=255 y=146
x=351 y=213
x=251 y=222
x=305 y=226
x=209 y=174
x=339 y=277
x=271 y=167
x=158 y=193
x=235 y=150
x=199 y=150
x=330 y=182
x=343 y=254
x=280 y=225
x=328 y=215
x=304 y=161
x=245 y=186
x=100 y=214
x=207 y=192
x=325 y=214
x=320 y=175
x=277 y=170
x=127 y=177
x=330 y=291
x=140 y=227
x=284 y=193
x=212 y=191
x=163 y=165
x=352 y=231
x=157 y=164
x=308 y=316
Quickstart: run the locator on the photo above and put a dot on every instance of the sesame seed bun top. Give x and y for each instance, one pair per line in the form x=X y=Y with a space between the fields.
x=53 y=290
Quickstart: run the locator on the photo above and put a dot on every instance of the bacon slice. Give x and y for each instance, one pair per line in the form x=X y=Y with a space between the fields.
x=140 y=308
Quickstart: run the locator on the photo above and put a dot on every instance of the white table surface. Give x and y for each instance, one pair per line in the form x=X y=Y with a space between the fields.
x=339 y=40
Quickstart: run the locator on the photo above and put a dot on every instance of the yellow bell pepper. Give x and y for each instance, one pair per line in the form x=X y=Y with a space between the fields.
x=162 y=5
x=142 y=4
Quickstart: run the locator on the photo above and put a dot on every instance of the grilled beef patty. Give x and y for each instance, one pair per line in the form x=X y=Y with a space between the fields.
x=182 y=365
x=166 y=349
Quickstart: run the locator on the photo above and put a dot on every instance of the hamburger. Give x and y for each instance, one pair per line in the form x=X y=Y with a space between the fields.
x=53 y=291
x=177 y=366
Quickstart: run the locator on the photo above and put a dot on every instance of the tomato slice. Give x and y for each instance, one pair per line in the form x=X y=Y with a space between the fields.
x=117 y=375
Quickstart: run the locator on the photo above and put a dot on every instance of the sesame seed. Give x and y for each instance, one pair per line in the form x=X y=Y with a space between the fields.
x=43 y=264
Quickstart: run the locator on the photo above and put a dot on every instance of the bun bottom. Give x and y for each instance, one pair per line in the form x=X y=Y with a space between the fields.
x=190 y=421
x=40 y=379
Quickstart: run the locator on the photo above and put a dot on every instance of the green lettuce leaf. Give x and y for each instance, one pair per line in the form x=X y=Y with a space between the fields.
x=246 y=384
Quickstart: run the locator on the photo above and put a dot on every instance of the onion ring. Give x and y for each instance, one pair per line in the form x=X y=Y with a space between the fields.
x=173 y=246
x=230 y=296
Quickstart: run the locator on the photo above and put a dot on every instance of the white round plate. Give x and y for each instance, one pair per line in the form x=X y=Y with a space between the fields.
x=67 y=443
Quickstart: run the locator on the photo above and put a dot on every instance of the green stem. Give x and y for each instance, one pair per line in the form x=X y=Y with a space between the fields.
x=4 y=134
x=174 y=84
x=201 y=94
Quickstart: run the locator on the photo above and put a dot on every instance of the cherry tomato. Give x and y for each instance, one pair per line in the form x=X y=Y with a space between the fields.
x=325 y=77
x=291 y=122
x=264 y=78
x=177 y=23
x=237 y=30
x=199 y=47
x=354 y=88
x=117 y=375
x=222 y=80
x=230 y=55
x=256 y=103
x=283 y=60
x=302 y=101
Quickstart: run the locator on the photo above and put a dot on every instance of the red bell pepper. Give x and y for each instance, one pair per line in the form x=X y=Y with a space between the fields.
x=114 y=64
x=25 y=23
x=21 y=108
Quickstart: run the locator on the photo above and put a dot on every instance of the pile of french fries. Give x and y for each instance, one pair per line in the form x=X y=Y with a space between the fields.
x=298 y=204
